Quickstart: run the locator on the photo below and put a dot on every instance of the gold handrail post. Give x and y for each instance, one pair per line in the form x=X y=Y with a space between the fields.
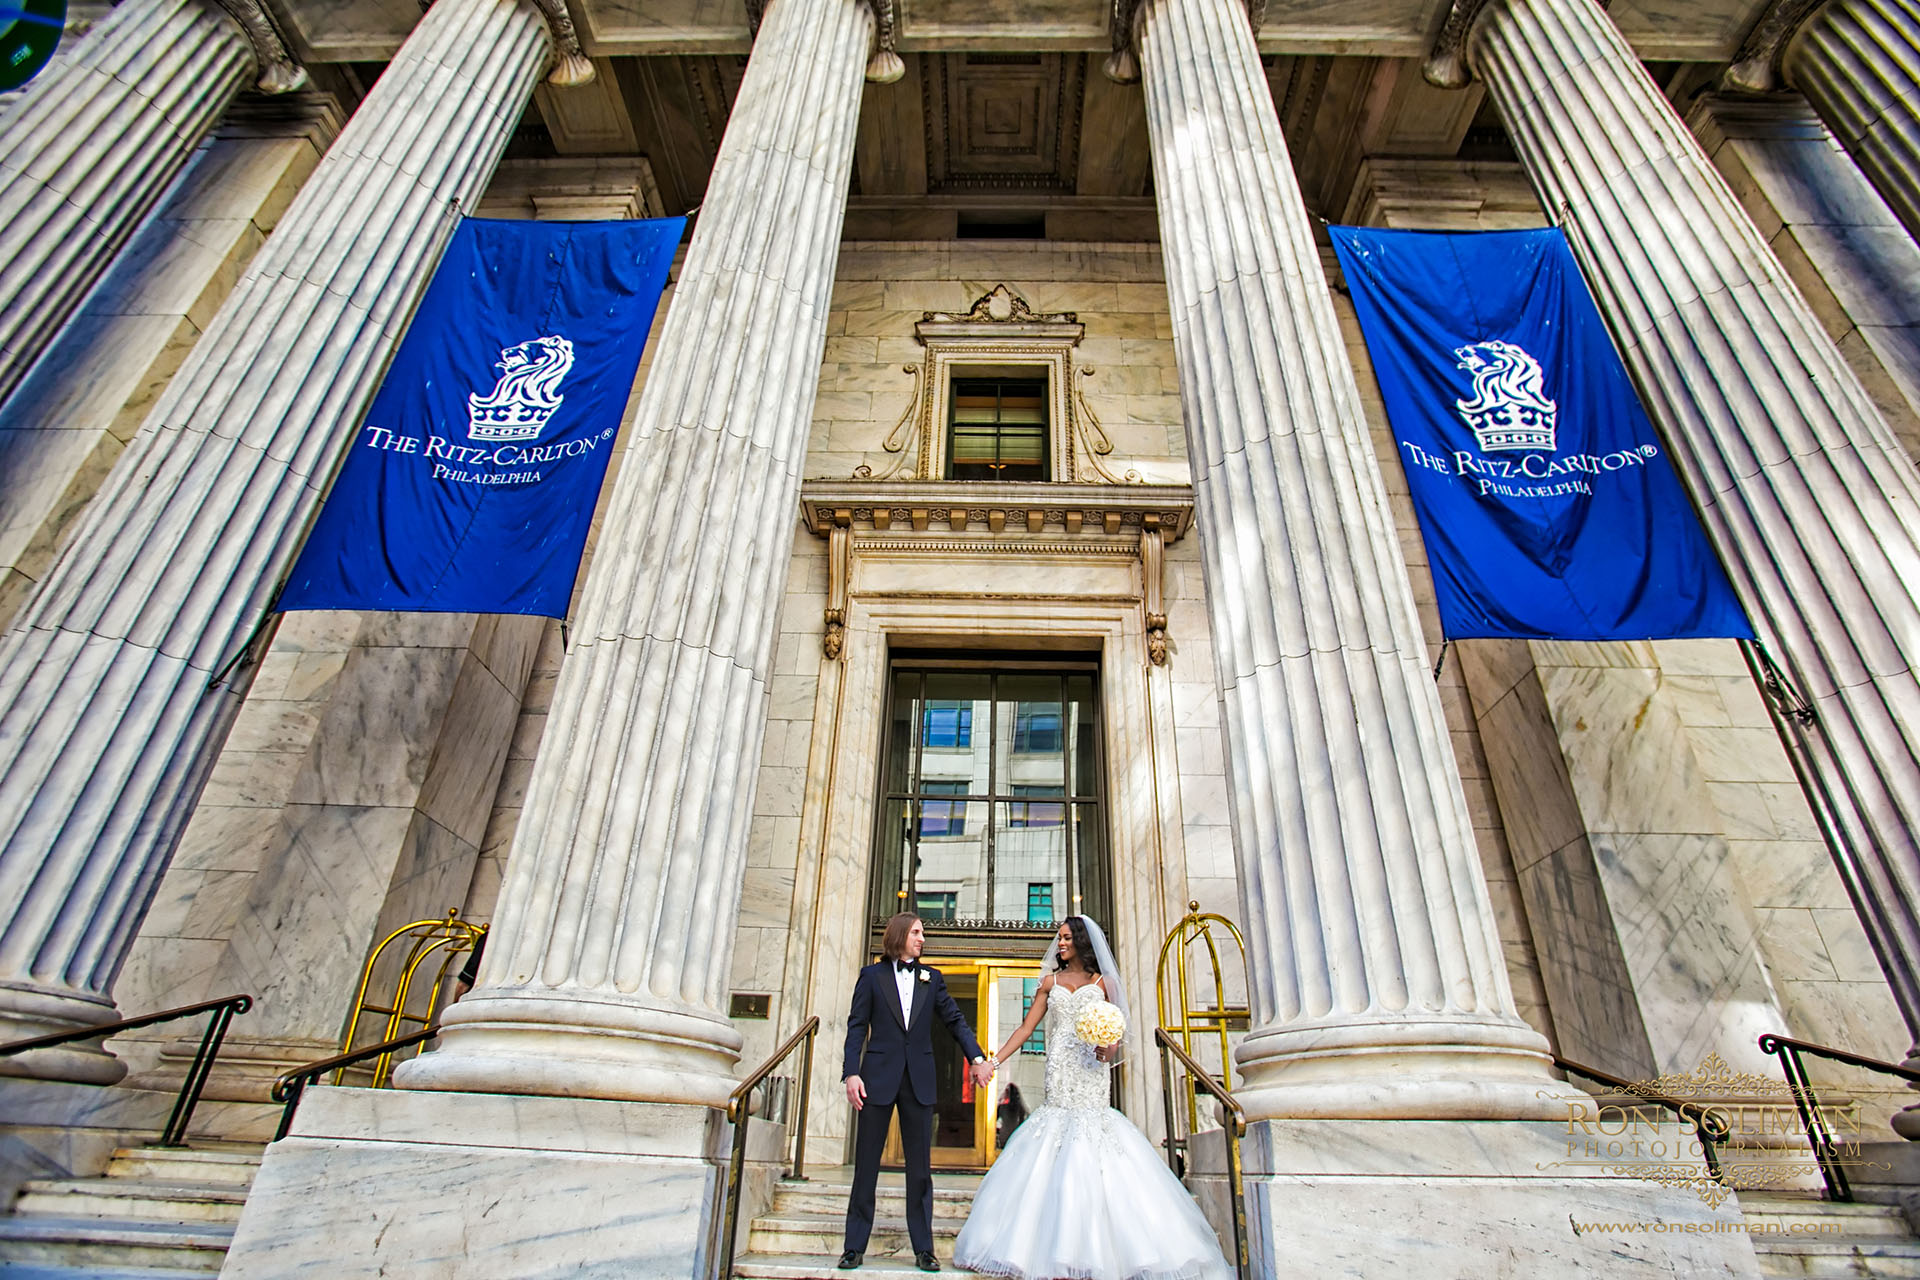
x=453 y=936
x=1197 y=926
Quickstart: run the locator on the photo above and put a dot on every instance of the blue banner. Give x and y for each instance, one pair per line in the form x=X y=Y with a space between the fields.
x=470 y=485
x=1547 y=502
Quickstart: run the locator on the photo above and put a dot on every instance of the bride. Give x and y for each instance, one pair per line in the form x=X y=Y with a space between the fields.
x=1079 y=1194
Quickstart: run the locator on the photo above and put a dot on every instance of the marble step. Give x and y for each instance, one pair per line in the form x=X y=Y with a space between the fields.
x=1779 y=1211
x=1889 y=1257
x=115 y=1243
x=888 y=1202
x=824 y=1234
x=114 y=1197
x=807 y=1266
x=232 y=1165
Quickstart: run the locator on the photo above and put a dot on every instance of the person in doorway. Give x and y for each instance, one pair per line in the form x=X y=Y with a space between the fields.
x=1078 y=1191
x=1012 y=1110
x=889 y=1068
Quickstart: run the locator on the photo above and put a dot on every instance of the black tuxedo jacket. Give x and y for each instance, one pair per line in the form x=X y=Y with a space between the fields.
x=882 y=1050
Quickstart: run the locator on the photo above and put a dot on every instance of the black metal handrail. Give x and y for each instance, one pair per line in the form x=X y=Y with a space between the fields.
x=1708 y=1125
x=1236 y=1130
x=290 y=1085
x=1819 y=1136
x=223 y=1011
x=738 y=1114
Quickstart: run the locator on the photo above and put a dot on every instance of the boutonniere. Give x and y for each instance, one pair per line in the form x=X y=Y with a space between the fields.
x=925 y=976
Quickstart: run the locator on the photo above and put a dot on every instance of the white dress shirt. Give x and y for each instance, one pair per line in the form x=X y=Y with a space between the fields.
x=903 y=979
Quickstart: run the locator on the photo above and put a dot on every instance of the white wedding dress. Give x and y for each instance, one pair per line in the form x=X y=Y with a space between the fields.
x=1079 y=1193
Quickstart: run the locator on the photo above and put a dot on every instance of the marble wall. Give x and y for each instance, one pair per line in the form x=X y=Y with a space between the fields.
x=1826 y=980
x=1842 y=246
x=62 y=430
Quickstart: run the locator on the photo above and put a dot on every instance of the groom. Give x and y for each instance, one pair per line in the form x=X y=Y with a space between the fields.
x=889 y=1066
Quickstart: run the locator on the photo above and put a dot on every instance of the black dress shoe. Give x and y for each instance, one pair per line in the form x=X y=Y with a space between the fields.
x=851 y=1259
x=926 y=1262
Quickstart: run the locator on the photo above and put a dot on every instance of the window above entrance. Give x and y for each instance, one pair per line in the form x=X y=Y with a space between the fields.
x=996 y=402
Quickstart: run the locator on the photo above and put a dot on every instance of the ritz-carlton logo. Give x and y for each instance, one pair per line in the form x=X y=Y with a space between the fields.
x=1509 y=409
x=527 y=394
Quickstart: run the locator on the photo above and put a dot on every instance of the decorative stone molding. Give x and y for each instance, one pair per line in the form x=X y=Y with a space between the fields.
x=1447 y=63
x=1025 y=520
x=570 y=66
x=1123 y=65
x=999 y=328
x=838 y=562
x=884 y=66
x=1153 y=574
x=1756 y=67
x=999 y=306
x=278 y=72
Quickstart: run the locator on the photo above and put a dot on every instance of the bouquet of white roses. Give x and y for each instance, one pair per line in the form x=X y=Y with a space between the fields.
x=1101 y=1024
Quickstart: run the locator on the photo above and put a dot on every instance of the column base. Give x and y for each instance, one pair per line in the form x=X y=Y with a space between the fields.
x=486 y=1187
x=1415 y=1069
x=1469 y=1199
x=578 y=1048
x=28 y=1012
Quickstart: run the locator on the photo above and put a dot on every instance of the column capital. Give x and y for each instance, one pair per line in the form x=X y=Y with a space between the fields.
x=1123 y=66
x=570 y=65
x=278 y=71
x=1756 y=68
x=1446 y=64
x=884 y=65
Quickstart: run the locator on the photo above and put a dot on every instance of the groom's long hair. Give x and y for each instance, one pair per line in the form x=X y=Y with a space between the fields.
x=893 y=943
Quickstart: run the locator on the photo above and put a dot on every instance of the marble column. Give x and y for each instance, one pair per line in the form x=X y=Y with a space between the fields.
x=606 y=971
x=1858 y=63
x=1379 y=989
x=109 y=717
x=1807 y=496
x=96 y=142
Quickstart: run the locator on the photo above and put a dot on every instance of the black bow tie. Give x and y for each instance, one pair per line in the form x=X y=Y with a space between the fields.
x=911 y=966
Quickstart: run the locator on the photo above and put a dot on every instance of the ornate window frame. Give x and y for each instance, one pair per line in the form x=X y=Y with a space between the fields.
x=999 y=333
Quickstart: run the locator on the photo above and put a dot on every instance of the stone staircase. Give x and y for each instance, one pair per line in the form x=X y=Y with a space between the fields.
x=799 y=1236
x=1854 y=1240
x=158 y=1213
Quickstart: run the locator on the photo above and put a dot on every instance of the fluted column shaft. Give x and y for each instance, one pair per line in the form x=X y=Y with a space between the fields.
x=1807 y=497
x=91 y=148
x=1377 y=979
x=1858 y=63
x=612 y=944
x=107 y=722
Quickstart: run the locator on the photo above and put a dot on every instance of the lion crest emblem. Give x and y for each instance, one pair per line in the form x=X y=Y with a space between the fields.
x=528 y=393
x=1509 y=408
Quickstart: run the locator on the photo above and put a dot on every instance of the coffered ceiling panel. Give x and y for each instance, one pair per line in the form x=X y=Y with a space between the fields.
x=1000 y=120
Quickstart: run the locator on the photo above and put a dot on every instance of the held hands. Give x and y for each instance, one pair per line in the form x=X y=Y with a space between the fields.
x=856 y=1092
x=982 y=1072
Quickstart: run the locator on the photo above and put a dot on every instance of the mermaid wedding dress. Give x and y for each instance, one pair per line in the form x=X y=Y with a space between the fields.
x=1079 y=1193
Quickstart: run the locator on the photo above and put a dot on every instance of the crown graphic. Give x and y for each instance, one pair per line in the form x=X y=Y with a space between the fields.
x=527 y=395
x=1509 y=409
